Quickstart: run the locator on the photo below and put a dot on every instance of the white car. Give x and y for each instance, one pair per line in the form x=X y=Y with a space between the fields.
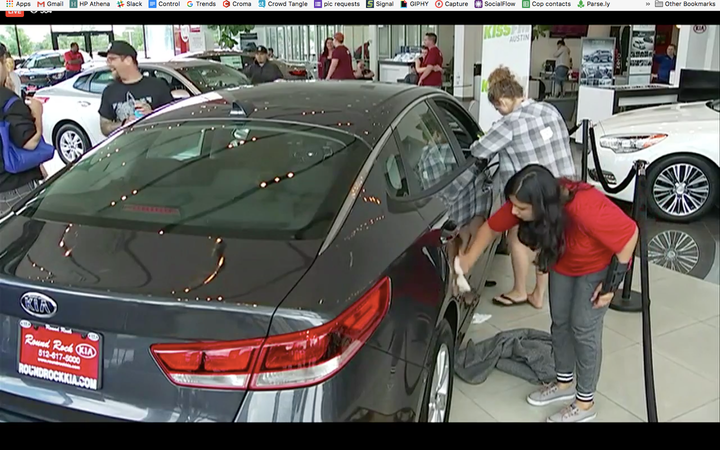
x=70 y=109
x=681 y=144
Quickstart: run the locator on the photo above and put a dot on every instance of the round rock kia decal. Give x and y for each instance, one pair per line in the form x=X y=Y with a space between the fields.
x=86 y=351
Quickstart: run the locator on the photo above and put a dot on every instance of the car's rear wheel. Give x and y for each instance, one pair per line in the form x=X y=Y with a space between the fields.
x=682 y=188
x=438 y=390
x=71 y=142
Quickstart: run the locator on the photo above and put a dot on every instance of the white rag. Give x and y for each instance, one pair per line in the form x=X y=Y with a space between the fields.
x=461 y=281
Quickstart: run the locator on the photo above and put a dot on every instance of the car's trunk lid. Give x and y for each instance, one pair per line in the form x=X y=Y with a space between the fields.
x=123 y=291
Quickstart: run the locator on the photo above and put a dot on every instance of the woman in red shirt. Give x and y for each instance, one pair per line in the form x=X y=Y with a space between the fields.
x=325 y=57
x=586 y=243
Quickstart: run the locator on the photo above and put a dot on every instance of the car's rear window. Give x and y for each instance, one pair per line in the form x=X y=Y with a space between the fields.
x=253 y=179
x=212 y=77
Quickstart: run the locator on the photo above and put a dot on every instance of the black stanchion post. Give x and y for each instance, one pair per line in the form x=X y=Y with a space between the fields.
x=585 y=130
x=641 y=217
x=629 y=300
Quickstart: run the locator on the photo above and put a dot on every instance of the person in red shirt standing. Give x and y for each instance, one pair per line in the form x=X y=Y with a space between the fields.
x=341 y=67
x=73 y=61
x=586 y=243
x=431 y=65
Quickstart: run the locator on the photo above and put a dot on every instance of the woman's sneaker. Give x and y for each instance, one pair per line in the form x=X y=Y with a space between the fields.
x=572 y=414
x=551 y=393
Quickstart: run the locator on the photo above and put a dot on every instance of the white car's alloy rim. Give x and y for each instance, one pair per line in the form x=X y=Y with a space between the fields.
x=439 y=389
x=681 y=189
x=71 y=146
x=674 y=250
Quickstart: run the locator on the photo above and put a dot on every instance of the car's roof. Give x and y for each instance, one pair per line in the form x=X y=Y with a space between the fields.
x=364 y=109
x=45 y=53
x=175 y=64
x=214 y=52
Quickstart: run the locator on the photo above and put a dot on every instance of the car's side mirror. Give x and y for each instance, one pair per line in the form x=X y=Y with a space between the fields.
x=179 y=94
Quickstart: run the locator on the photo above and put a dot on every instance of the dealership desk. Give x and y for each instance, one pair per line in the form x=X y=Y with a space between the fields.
x=392 y=71
x=598 y=103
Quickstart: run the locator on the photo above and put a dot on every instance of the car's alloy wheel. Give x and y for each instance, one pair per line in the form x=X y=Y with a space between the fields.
x=674 y=250
x=437 y=393
x=681 y=189
x=439 y=387
x=71 y=145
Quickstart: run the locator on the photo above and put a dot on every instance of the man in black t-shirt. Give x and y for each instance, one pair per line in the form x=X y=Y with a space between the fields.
x=262 y=70
x=131 y=95
x=25 y=131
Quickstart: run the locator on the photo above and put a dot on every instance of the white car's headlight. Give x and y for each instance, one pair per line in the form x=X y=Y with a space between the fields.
x=59 y=76
x=631 y=144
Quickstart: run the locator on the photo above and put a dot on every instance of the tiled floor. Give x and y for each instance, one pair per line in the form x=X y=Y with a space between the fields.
x=686 y=356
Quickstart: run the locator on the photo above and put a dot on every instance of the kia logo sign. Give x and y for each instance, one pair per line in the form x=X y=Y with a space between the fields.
x=699 y=29
x=87 y=351
x=38 y=305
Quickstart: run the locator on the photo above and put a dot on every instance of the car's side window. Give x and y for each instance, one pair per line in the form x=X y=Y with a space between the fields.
x=100 y=81
x=81 y=83
x=394 y=169
x=463 y=126
x=173 y=82
x=425 y=146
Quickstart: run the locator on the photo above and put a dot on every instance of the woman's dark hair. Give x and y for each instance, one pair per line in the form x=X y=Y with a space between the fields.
x=326 y=52
x=561 y=42
x=536 y=186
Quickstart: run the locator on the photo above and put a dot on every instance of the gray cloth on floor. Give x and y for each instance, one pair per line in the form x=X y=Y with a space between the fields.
x=525 y=353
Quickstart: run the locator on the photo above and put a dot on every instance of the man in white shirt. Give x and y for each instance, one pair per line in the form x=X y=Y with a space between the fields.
x=562 y=67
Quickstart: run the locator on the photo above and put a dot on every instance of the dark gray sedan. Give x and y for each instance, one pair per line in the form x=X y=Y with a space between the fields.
x=274 y=253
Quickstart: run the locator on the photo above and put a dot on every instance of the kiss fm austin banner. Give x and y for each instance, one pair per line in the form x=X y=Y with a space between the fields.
x=509 y=46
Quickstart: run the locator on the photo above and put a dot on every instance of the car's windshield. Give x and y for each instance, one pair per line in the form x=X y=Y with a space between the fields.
x=714 y=105
x=49 y=62
x=211 y=77
x=242 y=178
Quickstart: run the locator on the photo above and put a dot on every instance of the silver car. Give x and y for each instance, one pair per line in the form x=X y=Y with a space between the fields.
x=240 y=60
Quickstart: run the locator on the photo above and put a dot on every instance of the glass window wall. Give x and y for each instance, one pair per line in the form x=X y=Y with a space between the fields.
x=305 y=42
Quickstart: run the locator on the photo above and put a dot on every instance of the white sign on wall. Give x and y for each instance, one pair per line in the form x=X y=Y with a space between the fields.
x=509 y=46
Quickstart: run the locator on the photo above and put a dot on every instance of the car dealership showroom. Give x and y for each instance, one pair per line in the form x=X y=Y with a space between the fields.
x=464 y=154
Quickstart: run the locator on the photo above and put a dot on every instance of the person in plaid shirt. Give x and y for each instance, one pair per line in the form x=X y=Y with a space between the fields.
x=528 y=132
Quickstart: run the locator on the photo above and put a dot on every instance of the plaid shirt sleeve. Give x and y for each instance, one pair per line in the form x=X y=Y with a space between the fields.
x=435 y=163
x=497 y=138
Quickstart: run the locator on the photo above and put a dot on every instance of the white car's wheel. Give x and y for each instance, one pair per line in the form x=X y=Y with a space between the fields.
x=682 y=188
x=71 y=142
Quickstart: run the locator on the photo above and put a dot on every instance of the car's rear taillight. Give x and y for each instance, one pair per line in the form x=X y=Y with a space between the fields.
x=298 y=72
x=41 y=99
x=277 y=362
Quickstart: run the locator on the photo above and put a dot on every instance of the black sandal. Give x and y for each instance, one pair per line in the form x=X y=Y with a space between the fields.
x=510 y=302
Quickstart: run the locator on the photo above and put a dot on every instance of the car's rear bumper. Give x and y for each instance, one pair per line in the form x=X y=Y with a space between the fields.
x=373 y=387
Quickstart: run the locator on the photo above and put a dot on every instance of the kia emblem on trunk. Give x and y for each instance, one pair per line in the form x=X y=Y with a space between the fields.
x=38 y=305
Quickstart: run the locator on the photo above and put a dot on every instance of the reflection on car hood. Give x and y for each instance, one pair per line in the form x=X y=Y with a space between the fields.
x=660 y=117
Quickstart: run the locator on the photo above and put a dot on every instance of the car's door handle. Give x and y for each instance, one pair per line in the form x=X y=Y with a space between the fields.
x=83 y=103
